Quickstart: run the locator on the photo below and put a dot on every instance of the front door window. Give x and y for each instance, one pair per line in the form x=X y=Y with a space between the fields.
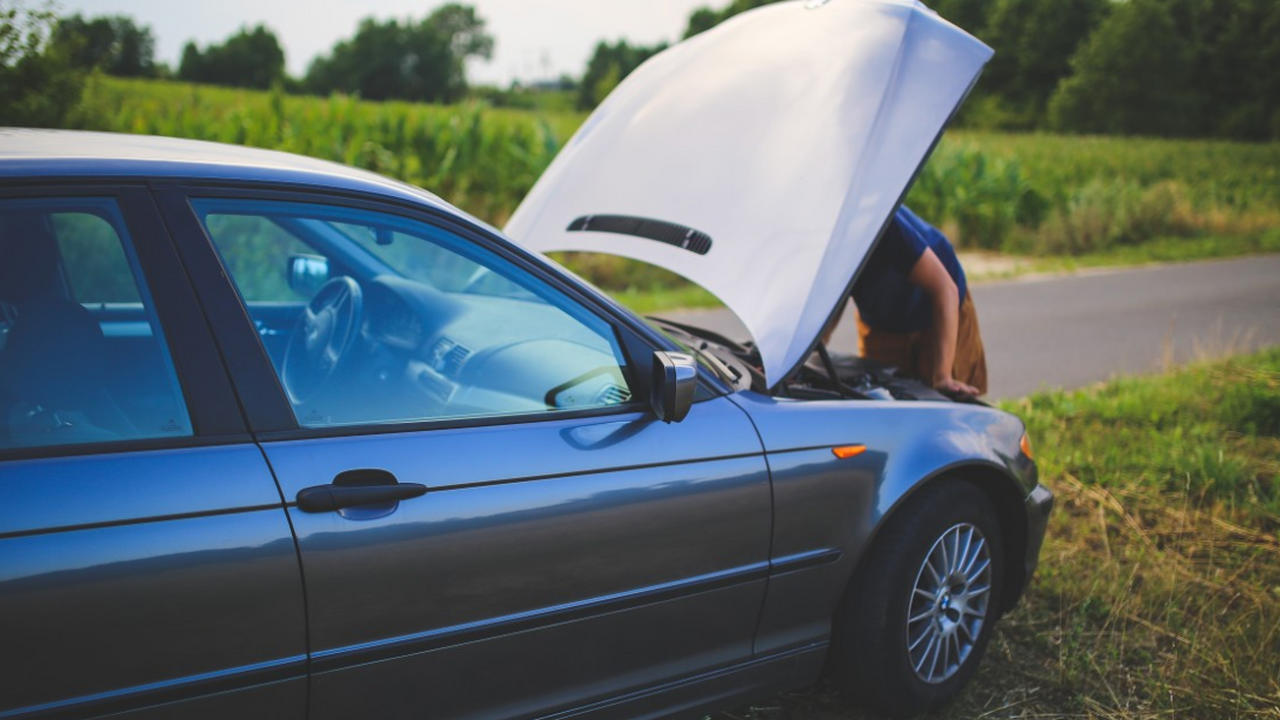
x=370 y=318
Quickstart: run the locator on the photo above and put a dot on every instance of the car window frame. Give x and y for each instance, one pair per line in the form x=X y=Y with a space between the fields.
x=207 y=392
x=262 y=396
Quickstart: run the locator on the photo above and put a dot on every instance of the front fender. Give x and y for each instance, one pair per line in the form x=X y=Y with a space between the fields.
x=829 y=507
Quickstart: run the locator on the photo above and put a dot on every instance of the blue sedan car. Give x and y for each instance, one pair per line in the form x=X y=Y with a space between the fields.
x=284 y=439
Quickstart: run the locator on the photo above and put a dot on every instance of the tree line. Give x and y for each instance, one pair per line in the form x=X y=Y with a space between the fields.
x=43 y=59
x=1191 y=68
x=1199 y=68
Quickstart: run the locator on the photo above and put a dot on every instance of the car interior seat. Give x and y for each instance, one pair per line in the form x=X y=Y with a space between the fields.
x=54 y=365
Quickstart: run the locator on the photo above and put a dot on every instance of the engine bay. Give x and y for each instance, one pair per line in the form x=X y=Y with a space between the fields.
x=823 y=376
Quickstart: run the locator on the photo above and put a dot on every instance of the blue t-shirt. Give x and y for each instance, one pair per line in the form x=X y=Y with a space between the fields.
x=887 y=300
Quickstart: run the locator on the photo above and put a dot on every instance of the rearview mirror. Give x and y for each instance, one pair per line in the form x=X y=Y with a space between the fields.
x=675 y=377
x=308 y=273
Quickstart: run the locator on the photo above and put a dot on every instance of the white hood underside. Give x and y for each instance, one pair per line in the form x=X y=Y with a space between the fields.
x=785 y=136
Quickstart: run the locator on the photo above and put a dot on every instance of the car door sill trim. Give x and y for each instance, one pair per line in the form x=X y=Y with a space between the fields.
x=352 y=655
x=710 y=676
x=167 y=691
x=804 y=561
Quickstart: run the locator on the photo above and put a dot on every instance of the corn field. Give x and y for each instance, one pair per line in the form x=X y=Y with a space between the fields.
x=481 y=159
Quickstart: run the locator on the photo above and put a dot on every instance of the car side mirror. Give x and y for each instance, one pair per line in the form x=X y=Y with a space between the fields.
x=308 y=273
x=675 y=378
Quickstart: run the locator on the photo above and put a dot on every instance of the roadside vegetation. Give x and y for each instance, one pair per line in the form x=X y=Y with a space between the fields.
x=1052 y=195
x=1158 y=592
x=480 y=158
x=982 y=266
x=1056 y=202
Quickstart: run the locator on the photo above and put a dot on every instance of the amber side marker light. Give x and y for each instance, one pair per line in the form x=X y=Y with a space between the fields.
x=845 y=452
x=1026 y=446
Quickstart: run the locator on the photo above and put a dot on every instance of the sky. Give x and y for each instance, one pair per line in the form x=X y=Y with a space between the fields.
x=535 y=39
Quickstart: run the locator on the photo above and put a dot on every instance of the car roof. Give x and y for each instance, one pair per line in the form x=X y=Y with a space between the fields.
x=67 y=154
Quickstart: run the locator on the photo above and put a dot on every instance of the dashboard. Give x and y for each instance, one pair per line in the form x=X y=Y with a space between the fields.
x=432 y=354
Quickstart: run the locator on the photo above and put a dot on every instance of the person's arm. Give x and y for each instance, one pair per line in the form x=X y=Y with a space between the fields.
x=930 y=275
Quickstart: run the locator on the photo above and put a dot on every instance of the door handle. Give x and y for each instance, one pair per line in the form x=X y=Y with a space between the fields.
x=328 y=498
x=356 y=488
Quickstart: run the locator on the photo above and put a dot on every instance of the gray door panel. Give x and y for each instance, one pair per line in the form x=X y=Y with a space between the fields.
x=592 y=555
x=520 y=674
x=132 y=579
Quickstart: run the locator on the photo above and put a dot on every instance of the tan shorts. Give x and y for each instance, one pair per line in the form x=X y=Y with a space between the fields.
x=912 y=353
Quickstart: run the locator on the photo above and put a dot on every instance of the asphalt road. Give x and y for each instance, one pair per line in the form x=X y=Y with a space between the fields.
x=1076 y=330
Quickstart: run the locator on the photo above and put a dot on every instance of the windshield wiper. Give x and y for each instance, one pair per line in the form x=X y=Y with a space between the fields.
x=726 y=372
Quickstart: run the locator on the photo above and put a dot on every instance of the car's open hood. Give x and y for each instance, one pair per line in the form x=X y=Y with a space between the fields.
x=761 y=159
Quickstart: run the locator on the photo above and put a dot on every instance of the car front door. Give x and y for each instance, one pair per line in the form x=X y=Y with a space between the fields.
x=147 y=568
x=532 y=537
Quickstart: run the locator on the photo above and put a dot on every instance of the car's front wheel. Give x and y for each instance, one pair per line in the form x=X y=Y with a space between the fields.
x=918 y=616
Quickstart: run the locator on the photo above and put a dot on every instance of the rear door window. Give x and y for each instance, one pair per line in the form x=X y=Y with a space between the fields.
x=82 y=356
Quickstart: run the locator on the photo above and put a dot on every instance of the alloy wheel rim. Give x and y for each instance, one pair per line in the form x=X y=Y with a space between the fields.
x=949 y=603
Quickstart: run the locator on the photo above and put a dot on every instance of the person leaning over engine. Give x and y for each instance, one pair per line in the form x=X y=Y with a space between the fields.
x=914 y=311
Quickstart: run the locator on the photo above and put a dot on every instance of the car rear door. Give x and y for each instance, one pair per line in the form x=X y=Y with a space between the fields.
x=147 y=568
x=551 y=557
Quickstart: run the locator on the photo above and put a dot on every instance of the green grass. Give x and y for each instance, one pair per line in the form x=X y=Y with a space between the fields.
x=647 y=301
x=982 y=267
x=1174 y=249
x=1211 y=433
x=1158 y=592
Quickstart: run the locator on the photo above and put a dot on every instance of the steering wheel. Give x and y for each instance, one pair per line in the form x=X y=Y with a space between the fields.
x=323 y=340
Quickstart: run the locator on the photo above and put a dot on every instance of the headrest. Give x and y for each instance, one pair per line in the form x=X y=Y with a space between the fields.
x=28 y=256
x=55 y=354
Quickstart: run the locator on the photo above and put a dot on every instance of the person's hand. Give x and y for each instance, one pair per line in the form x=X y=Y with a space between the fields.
x=951 y=386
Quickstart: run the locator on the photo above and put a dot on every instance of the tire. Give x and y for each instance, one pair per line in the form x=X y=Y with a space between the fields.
x=900 y=646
